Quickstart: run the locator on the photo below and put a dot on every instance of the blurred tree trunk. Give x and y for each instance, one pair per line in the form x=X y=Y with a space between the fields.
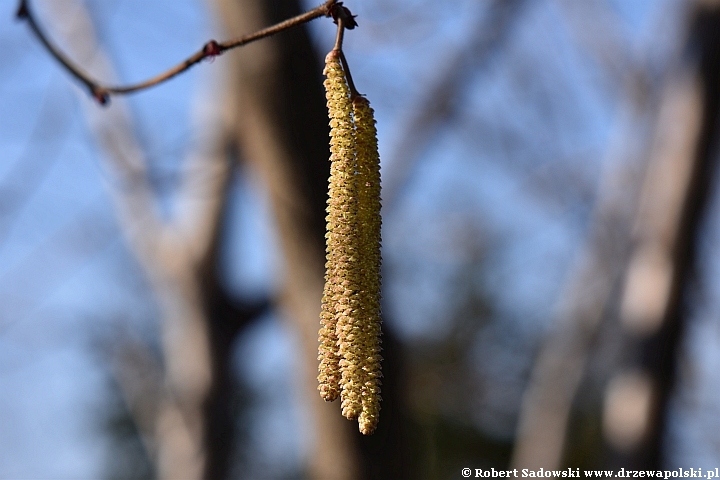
x=174 y=255
x=282 y=131
x=659 y=253
x=180 y=404
x=273 y=114
x=661 y=273
x=585 y=300
x=280 y=123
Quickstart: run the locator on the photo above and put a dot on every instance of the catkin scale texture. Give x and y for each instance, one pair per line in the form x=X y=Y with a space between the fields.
x=349 y=336
x=339 y=295
x=369 y=219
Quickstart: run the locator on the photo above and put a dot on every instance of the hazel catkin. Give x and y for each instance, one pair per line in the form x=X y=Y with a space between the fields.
x=369 y=221
x=340 y=292
x=349 y=351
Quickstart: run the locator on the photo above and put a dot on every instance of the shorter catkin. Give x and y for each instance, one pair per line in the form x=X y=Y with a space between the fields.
x=368 y=176
x=349 y=336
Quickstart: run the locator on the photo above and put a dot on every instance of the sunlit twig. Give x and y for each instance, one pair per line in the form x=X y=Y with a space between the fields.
x=210 y=50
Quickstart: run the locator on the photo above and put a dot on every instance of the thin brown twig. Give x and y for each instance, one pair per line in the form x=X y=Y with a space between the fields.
x=351 y=85
x=338 y=48
x=344 y=20
x=210 y=50
x=340 y=35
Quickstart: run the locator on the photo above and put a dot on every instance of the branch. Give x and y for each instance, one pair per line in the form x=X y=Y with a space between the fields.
x=443 y=97
x=210 y=50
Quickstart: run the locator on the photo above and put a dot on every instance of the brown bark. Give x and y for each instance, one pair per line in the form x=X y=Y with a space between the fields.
x=282 y=132
x=659 y=272
x=177 y=403
x=587 y=294
x=274 y=114
x=655 y=304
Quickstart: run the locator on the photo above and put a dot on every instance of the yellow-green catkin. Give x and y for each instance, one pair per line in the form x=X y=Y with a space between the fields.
x=337 y=369
x=369 y=222
x=349 y=351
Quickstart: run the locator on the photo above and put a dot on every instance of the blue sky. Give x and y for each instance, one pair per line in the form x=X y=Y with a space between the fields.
x=66 y=276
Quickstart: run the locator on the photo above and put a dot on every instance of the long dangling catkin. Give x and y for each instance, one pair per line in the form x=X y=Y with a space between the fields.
x=369 y=221
x=339 y=368
x=349 y=351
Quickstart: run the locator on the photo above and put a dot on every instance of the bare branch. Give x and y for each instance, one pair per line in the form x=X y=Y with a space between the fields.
x=633 y=235
x=211 y=49
x=588 y=289
x=443 y=96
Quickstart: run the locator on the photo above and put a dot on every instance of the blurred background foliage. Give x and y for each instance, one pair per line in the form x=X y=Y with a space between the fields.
x=179 y=231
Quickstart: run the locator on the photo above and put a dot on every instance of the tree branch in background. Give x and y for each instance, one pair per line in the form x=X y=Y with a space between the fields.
x=445 y=94
x=172 y=255
x=588 y=291
x=659 y=283
x=39 y=155
x=211 y=49
x=275 y=87
x=652 y=245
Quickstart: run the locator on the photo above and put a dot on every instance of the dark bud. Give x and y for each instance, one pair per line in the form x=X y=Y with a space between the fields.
x=212 y=49
x=101 y=96
x=22 y=11
x=338 y=11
